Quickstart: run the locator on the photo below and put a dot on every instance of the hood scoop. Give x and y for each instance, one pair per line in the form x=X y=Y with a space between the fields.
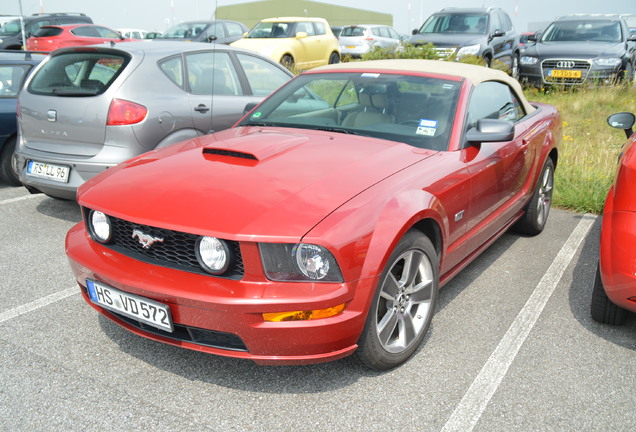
x=253 y=148
x=229 y=153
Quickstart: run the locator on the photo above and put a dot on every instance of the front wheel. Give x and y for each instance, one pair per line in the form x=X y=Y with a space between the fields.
x=334 y=58
x=514 y=68
x=403 y=305
x=287 y=61
x=538 y=209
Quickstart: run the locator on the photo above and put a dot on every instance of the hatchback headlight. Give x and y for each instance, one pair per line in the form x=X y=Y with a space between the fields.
x=213 y=255
x=608 y=62
x=528 y=61
x=99 y=226
x=468 y=50
x=299 y=263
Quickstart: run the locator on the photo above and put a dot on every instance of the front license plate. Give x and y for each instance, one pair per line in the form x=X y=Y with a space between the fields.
x=565 y=73
x=50 y=171
x=133 y=306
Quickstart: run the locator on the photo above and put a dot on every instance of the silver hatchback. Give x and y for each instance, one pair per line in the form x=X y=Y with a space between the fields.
x=356 y=40
x=86 y=109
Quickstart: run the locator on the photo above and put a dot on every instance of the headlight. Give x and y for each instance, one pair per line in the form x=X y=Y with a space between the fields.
x=468 y=50
x=608 y=62
x=213 y=255
x=99 y=226
x=528 y=61
x=299 y=263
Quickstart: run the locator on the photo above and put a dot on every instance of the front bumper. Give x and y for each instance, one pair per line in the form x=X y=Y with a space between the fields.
x=573 y=72
x=204 y=307
x=618 y=256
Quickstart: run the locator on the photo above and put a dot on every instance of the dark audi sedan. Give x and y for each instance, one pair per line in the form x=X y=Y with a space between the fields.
x=581 y=48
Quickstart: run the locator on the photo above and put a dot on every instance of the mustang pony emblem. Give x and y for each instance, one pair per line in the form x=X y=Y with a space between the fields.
x=146 y=240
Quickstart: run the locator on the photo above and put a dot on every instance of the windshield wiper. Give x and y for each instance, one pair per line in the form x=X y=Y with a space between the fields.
x=339 y=130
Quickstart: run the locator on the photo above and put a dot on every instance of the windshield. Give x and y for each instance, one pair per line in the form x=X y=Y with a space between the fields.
x=272 y=30
x=184 y=31
x=415 y=110
x=11 y=28
x=456 y=23
x=579 y=31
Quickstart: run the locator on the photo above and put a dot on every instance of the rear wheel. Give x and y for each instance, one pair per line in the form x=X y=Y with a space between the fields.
x=538 y=209
x=287 y=61
x=603 y=310
x=403 y=305
x=8 y=168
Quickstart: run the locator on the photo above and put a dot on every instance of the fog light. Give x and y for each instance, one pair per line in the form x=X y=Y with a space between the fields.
x=304 y=315
x=213 y=255
x=100 y=227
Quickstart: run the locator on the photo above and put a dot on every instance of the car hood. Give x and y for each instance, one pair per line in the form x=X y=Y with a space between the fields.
x=579 y=50
x=247 y=183
x=447 y=39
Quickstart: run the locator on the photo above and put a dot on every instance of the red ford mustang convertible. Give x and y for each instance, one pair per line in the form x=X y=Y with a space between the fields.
x=324 y=222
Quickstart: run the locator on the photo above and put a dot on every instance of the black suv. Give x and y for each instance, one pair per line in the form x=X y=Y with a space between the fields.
x=11 y=32
x=487 y=33
x=580 y=48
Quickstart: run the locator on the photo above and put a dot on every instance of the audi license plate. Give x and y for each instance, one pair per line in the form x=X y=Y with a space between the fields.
x=49 y=171
x=133 y=306
x=556 y=73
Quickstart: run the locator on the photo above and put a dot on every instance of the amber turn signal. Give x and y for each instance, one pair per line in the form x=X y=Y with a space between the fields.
x=304 y=315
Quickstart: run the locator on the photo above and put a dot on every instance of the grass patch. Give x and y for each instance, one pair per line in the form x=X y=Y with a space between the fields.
x=589 y=147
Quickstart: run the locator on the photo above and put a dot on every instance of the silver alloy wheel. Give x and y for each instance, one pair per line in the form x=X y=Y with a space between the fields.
x=545 y=195
x=405 y=301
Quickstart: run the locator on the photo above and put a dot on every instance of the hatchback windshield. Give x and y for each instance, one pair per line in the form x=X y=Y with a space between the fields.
x=77 y=74
x=415 y=110
x=578 y=31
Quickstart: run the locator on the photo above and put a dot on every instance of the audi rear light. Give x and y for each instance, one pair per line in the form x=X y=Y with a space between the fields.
x=123 y=112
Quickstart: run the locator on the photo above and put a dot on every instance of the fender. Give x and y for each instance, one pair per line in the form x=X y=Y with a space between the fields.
x=178 y=136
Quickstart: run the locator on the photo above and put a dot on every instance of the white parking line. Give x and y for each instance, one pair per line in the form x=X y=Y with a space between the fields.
x=37 y=304
x=22 y=198
x=470 y=408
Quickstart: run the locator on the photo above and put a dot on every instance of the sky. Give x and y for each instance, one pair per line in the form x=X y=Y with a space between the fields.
x=157 y=15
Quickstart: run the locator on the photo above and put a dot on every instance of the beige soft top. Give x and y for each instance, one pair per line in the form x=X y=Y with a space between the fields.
x=476 y=74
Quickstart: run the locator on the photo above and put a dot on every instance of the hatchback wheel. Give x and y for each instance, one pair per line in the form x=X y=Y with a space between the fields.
x=287 y=61
x=334 y=58
x=403 y=304
x=538 y=209
x=8 y=166
x=603 y=310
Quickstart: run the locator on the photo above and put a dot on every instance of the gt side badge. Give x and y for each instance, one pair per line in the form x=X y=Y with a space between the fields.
x=51 y=115
x=459 y=216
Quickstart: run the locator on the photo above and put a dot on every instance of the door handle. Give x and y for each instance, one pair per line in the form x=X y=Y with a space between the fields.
x=202 y=108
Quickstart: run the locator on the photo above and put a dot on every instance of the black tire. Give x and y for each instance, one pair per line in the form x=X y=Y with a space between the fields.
x=334 y=58
x=602 y=308
x=8 y=171
x=537 y=210
x=287 y=61
x=488 y=61
x=403 y=305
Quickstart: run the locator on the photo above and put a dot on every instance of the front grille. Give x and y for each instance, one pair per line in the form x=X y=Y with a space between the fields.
x=177 y=250
x=570 y=65
x=445 y=52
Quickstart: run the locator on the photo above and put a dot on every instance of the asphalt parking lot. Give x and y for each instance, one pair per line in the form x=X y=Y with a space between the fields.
x=511 y=347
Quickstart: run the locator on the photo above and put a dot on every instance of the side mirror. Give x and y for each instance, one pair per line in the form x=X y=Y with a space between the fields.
x=414 y=32
x=622 y=120
x=490 y=130
x=211 y=38
x=249 y=107
x=301 y=35
x=498 y=33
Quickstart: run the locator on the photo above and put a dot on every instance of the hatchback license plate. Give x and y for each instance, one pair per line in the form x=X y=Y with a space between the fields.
x=50 y=171
x=565 y=73
x=133 y=306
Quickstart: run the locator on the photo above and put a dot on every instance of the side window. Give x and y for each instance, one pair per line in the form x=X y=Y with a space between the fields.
x=495 y=23
x=173 y=69
x=263 y=77
x=107 y=33
x=234 y=29
x=85 y=31
x=321 y=28
x=212 y=73
x=31 y=29
x=393 y=34
x=376 y=31
x=505 y=22
x=306 y=27
x=493 y=100
x=215 y=29
x=11 y=79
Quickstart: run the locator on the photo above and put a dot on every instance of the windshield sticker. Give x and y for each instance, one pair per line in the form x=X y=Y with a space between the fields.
x=370 y=75
x=426 y=127
x=257 y=114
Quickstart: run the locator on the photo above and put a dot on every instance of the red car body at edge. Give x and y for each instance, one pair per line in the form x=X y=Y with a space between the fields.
x=614 y=292
x=326 y=219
